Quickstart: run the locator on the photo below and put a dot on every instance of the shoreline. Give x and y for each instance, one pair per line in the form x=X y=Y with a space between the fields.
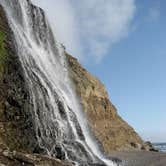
x=140 y=158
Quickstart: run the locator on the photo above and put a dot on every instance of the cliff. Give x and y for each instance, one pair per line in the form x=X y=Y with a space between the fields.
x=18 y=142
x=109 y=128
x=18 y=145
x=16 y=128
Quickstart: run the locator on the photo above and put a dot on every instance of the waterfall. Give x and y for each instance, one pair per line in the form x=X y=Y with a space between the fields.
x=60 y=125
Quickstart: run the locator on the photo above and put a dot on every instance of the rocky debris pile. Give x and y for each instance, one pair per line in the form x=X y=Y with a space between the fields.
x=14 y=158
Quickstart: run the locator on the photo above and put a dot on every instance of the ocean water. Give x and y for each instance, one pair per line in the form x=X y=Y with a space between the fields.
x=160 y=146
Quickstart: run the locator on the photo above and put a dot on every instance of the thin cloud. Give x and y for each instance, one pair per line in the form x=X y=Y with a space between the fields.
x=63 y=22
x=89 y=28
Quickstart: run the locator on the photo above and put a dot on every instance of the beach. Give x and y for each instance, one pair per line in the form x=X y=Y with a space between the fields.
x=141 y=158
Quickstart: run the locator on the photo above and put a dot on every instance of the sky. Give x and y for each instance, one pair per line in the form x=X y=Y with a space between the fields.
x=123 y=43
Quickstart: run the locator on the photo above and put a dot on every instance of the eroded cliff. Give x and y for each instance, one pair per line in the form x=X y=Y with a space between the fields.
x=18 y=143
x=16 y=126
x=16 y=121
x=109 y=128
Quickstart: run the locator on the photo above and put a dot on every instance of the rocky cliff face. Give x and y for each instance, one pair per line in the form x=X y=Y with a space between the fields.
x=16 y=124
x=18 y=143
x=109 y=128
x=14 y=158
x=16 y=127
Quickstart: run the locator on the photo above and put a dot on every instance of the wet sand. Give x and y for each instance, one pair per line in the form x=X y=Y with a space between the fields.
x=142 y=158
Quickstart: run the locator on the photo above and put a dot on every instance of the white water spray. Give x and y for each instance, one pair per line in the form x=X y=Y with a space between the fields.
x=60 y=125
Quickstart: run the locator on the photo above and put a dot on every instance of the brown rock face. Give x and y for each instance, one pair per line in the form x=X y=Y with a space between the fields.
x=17 y=136
x=109 y=128
x=18 y=143
x=16 y=125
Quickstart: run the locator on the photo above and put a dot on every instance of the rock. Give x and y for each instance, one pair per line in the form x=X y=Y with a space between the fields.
x=59 y=152
x=117 y=161
x=148 y=146
x=110 y=129
x=14 y=158
x=16 y=124
x=136 y=145
x=18 y=141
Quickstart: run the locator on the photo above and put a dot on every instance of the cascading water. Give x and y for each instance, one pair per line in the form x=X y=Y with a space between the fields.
x=60 y=125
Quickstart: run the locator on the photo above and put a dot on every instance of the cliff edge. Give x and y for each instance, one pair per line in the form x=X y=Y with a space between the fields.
x=109 y=128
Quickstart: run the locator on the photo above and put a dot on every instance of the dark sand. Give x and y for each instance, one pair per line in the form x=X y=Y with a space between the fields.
x=142 y=158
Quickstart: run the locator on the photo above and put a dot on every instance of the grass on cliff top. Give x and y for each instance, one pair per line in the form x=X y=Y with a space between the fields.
x=3 y=52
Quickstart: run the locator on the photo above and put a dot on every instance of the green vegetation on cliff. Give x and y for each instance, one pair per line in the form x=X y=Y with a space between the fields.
x=3 y=52
x=2 y=46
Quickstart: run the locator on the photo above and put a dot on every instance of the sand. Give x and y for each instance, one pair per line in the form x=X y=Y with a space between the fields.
x=142 y=158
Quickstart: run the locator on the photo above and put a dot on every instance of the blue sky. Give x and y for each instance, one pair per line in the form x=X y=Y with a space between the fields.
x=134 y=74
x=129 y=57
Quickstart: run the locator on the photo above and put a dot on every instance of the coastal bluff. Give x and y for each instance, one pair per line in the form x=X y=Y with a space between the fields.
x=18 y=142
x=110 y=129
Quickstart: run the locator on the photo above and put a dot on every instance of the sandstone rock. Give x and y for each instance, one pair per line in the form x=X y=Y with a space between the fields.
x=17 y=135
x=109 y=128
